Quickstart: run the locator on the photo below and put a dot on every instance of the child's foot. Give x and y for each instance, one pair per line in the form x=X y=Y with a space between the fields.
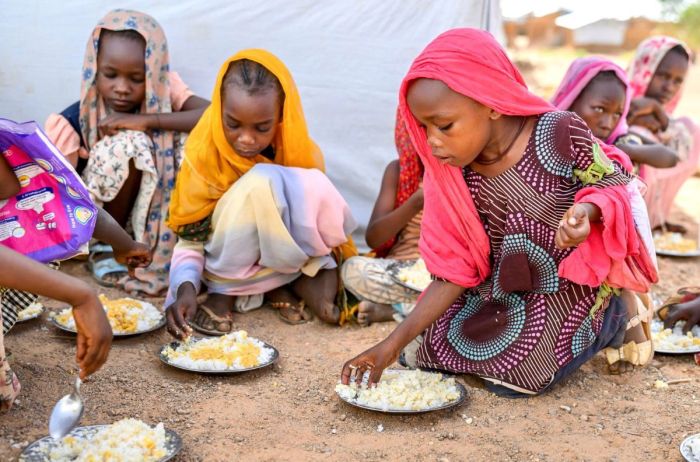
x=635 y=339
x=215 y=315
x=369 y=312
x=290 y=309
x=319 y=294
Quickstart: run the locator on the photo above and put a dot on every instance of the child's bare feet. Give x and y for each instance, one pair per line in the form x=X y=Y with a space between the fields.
x=369 y=312
x=319 y=294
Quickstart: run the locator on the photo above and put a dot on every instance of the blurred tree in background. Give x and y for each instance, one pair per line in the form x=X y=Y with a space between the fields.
x=685 y=18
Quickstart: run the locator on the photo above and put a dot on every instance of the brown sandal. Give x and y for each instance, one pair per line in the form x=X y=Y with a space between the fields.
x=300 y=309
x=216 y=320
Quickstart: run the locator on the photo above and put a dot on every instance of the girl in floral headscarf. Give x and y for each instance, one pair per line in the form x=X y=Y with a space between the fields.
x=125 y=137
x=656 y=79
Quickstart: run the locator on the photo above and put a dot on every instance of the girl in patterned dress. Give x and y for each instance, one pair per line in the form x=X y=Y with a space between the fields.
x=125 y=136
x=527 y=228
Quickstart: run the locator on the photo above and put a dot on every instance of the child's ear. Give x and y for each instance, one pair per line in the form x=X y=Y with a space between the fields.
x=493 y=115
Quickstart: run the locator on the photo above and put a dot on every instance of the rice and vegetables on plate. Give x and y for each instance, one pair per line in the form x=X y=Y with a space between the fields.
x=126 y=315
x=675 y=242
x=230 y=352
x=416 y=275
x=673 y=340
x=125 y=440
x=30 y=312
x=400 y=390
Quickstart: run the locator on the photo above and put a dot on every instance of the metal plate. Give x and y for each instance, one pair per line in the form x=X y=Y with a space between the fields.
x=671 y=253
x=686 y=351
x=160 y=324
x=34 y=453
x=175 y=345
x=393 y=270
x=451 y=404
x=687 y=454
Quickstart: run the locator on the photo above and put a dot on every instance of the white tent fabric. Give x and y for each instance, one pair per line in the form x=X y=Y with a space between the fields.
x=347 y=57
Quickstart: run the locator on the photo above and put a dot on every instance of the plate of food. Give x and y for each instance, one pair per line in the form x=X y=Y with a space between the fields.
x=690 y=448
x=229 y=354
x=405 y=392
x=675 y=245
x=127 y=439
x=674 y=341
x=126 y=316
x=411 y=274
x=33 y=311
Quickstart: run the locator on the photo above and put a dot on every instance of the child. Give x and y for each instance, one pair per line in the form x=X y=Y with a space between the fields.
x=124 y=136
x=518 y=200
x=656 y=78
x=597 y=90
x=22 y=279
x=255 y=215
x=393 y=232
x=126 y=250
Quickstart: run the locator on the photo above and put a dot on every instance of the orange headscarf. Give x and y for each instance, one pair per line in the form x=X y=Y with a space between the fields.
x=211 y=165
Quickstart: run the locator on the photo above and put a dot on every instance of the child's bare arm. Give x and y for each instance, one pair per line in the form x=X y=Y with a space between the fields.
x=181 y=121
x=656 y=154
x=387 y=221
x=94 y=333
x=126 y=250
x=9 y=186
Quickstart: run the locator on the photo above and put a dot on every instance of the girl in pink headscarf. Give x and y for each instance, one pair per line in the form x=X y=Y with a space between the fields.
x=656 y=76
x=598 y=91
x=526 y=228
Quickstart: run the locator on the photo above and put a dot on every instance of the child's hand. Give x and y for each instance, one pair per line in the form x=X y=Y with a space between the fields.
x=137 y=255
x=111 y=124
x=181 y=311
x=648 y=113
x=575 y=227
x=94 y=334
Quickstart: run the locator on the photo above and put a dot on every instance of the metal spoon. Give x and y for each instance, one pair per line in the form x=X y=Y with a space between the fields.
x=66 y=413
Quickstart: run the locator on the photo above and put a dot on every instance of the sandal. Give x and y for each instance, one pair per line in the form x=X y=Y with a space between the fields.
x=684 y=294
x=637 y=354
x=217 y=321
x=102 y=263
x=300 y=309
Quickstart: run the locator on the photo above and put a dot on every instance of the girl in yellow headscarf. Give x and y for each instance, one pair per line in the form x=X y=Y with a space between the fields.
x=257 y=218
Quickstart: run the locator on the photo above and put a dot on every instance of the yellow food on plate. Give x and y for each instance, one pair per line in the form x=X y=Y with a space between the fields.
x=126 y=315
x=233 y=351
x=416 y=275
x=125 y=440
x=673 y=340
x=675 y=242
x=400 y=390
x=29 y=312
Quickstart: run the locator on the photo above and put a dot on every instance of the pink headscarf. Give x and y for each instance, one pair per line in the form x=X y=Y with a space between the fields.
x=649 y=55
x=579 y=75
x=453 y=242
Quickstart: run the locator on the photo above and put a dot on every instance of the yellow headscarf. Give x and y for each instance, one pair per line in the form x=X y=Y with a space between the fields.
x=211 y=165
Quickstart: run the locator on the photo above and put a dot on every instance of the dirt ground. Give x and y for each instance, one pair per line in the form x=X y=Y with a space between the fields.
x=290 y=411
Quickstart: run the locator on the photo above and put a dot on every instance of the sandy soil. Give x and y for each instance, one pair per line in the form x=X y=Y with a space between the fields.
x=290 y=411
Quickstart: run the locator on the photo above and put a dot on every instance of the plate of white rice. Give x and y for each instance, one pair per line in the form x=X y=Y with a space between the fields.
x=412 y=274
x=228 y=354
x=33 y=311
x=127 y=440
x=674 y=341
x=127 y=317
x=405 y=392
x=690 y=448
